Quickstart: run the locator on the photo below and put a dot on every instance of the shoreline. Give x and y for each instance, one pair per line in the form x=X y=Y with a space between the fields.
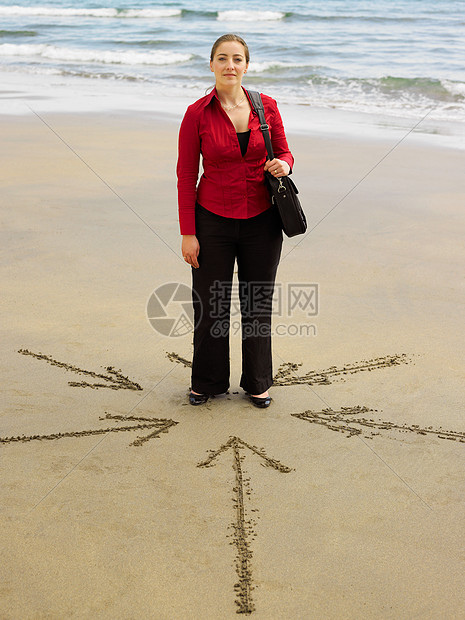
x=81 y=96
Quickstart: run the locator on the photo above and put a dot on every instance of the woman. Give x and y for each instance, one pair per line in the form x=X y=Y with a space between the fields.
x=227 y=217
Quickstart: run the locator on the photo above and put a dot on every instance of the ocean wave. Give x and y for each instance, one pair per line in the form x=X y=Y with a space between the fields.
x=17 y=33
x=272 y=65
x=241 y=15
x=48 y=11
x=145 y=43
x=356 y=17
x=406 y=90
x=199 y=14
x=160 y=57
x=457 y=89
x=392 y=95
x=250 y=16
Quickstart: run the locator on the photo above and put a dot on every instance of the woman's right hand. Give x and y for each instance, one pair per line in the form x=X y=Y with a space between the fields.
x=190 y=250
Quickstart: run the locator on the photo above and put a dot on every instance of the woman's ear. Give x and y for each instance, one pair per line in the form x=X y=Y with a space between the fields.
x=211 y=67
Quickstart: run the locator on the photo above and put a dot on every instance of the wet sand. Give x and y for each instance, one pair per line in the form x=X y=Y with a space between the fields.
x=344 y=499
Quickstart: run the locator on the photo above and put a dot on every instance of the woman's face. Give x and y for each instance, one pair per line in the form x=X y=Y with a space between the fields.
x=229 y=63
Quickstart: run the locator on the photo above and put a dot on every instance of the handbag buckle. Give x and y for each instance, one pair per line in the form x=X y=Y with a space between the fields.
x=281 y=187
x=264 y=127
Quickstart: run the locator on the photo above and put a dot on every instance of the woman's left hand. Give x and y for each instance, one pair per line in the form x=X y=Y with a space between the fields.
x=277 y=167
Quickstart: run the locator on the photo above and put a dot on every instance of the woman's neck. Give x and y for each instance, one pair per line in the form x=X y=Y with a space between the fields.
x=230 y=96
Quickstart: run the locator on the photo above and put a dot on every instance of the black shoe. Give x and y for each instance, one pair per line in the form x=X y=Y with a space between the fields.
x=260 y=402
x=198 y=399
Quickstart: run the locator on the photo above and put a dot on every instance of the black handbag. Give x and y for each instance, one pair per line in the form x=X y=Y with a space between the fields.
x=282 y=190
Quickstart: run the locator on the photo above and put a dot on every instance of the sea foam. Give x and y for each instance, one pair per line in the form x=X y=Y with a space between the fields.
x=249 y=16
x=48 y=11
x=159 y=57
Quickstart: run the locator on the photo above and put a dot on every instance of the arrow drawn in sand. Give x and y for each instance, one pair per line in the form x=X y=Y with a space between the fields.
x=243 y=528
x=113 y=379
x=348 y=422
x=160 y=426
x=287 y=372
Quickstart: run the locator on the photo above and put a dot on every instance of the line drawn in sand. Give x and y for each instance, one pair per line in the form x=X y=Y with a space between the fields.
x=160 y=425
x=113 y=379
x=287 y=372
x=175 y=357
x=243 y=527
x=348 y=420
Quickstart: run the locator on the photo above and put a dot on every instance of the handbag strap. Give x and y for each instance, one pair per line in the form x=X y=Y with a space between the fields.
x=257 y=103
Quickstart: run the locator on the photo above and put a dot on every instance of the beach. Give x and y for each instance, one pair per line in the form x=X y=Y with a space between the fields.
x=344 y=499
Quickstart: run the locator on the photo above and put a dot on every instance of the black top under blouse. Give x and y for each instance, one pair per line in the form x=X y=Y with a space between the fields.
x=243 y=138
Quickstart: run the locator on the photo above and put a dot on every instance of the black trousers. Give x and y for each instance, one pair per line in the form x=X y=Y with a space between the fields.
x=256 y=245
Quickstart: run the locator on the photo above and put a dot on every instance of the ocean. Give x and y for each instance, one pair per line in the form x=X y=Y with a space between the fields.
x=390 y=59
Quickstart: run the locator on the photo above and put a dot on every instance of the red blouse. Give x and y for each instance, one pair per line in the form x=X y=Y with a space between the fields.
x=230 y=185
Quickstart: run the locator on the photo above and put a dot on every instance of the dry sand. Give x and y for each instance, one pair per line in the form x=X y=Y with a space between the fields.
x=359 y=509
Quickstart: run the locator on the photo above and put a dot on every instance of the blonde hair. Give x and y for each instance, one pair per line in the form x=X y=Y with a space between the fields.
x=230 y=37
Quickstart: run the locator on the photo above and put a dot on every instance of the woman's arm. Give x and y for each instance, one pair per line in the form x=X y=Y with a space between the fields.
x=187 y=170
x=283 y=162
